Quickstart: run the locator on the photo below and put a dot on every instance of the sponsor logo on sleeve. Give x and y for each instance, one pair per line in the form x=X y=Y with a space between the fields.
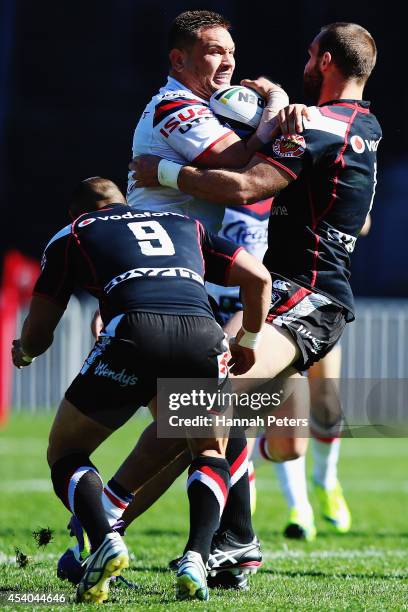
x=357 y=144
x=289 y=146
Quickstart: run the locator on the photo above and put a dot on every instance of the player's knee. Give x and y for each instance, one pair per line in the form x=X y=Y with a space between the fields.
x=279 y=450
x=208 y=448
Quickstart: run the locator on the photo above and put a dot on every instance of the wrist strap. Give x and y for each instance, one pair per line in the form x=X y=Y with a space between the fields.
x=27 y=359
x=167 y=173
x=250 y=339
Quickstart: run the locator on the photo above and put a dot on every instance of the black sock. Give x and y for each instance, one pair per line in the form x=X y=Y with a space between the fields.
x=207 y=488
x=78 y=484
x=237 y=512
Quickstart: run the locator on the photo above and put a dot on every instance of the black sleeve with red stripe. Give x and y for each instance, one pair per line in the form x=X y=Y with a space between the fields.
x=56 y=281
x=219 y=255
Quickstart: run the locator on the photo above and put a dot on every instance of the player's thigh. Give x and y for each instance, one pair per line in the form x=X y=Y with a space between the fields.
x=275 y=353
x=74 y=431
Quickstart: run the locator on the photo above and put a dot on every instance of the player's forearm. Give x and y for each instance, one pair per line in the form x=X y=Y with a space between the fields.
x=256 y=299
x=226 y=187
x=35 y=340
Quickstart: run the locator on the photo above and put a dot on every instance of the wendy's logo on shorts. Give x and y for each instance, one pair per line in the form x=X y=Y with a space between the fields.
x=96 y=352
x=289 y=146
x=122 y=377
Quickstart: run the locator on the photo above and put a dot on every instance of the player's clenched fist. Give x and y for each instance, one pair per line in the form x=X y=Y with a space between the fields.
x=19 y=357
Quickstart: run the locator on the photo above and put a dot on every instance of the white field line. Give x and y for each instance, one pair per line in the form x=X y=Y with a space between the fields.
x=264 y=485
x=278 y=555
x=362 y=553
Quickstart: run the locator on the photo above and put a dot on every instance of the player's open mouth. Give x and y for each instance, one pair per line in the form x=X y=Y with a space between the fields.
x=222 y=77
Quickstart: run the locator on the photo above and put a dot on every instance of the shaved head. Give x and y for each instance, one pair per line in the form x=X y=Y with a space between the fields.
x=94 y=193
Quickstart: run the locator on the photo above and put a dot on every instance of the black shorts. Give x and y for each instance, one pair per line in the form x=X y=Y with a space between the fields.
x=120 y=373
x=312 y=319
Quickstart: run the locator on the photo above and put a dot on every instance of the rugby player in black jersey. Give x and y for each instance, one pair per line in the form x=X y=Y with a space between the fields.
x=147 y=270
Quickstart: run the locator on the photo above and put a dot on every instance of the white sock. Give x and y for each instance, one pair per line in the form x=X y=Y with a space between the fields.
x=325 y=459
x=292 y=478
x=114 y=505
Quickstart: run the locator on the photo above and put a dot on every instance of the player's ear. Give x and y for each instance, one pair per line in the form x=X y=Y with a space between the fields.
x=177 y=59
x=326 y=60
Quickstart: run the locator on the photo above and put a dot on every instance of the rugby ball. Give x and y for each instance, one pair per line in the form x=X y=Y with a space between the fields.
x=240 y=106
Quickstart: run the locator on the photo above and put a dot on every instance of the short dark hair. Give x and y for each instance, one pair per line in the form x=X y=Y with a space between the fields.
x=90 y=192
x=352 y=47
x=184 y=29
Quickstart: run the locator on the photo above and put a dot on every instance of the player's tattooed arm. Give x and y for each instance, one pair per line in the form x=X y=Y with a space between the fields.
x=259 y=180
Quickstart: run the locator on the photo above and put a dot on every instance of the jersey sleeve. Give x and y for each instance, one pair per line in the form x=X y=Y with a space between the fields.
x=189 y=126
x=219 y=255
x=56 y=281
x=322 y=138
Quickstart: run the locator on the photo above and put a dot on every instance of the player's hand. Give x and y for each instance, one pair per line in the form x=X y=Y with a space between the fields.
x=20 y=359
x=242 y=358
x=262 y=85
x=291 y=118
x=96 y=324
x=144 y=169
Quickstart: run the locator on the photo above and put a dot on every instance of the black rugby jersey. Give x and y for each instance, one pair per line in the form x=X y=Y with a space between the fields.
x=136 y=261
x=320 y=214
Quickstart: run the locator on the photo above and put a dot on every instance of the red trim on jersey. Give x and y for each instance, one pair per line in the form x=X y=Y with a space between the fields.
x=85 y=255
x=360 y=109
x=276 y=163
x=327 y=112
x=340 y=155
x=208 y=149
x=239 y=461
x=209 y=472
x=260 y=208
x=161 y=109
x=199 y=226
x=64 y=273
x=315 y=256
x=233 y=258
x=116 y=501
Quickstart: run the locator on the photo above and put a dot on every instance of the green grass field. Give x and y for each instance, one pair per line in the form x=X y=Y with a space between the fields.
x=364 y=570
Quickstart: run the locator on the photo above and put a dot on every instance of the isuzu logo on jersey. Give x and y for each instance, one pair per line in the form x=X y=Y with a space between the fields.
x=149 y=272
x=185 y=120
x=289 y=146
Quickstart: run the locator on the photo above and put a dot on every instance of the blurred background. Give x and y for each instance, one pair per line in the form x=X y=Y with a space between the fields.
x=75 y=76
